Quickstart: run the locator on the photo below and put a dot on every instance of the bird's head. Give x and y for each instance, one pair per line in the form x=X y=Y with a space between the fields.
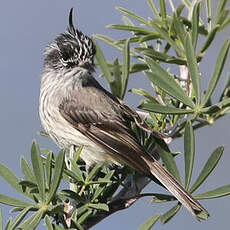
x=70 y=49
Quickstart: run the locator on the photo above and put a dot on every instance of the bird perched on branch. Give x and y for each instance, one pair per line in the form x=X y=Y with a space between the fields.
x=76 y=110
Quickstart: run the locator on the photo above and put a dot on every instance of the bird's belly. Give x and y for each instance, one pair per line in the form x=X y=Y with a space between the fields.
x=65 y=136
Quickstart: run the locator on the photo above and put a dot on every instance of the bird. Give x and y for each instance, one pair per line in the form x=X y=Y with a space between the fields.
x=76 y=110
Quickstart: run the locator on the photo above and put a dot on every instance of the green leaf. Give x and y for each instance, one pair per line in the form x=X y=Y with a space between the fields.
x=38 y=169
x=19 y=218
x=13 y=202
x=125 y=69
x=170 y=214
x=189 y=152
x=33 y=221
x=150 y=52
x=132 y=15
x=58 y=169
x=115 y=85
x=102 y=62
x=108 y=41
x=84 y=216
x=154 y=9
x=48 y=223
x=1 y=227
x=156 y=108
x=162 y=9
x=135 y=29
x=134 y=68
x=163 y=80
x=12 y=180
x=127 y=21
x=179 y=28
x=72 y=195
x=195 y=23
x=208 y=168
x=76 y=170
x=221 y=8
x=159 y=198
x=8 y=223
x=150 y=222
x=169 y=162
x=216 y=193
x=166 y=36
x=78 y=152
x=93 y=172
x=103 y=207
x=209 y=39
x=49 y=169
x=218 y=106
x=193 y=67
x=28 y=173
x=217 y=71
x=143 y=92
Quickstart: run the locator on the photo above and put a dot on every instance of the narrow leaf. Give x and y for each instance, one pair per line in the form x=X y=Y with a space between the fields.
x=221 y=8
x=217 y=71
x=76 y=170
x=162 y=9
x=58 y=169
x=156 y=108
x=208 y=168
x=49 y=169
x=216 y=193
x=115 y=86
x=154 y=9
x=93 y=172
x=150 y=222
x=1 y=227
x=102 y=62
x=13 y=202
x=12 y=180
x=48 y=223
x=195 y=23
x=132 y=15
x=144 y=93
x=179 y=28
x=209 y=39
x=28 y=173
x=150 y=52
x=135 y=29
x=78 y=152
x=163 y=80
x=166 y=36
x=193 y=67
x=108 y=41
x=38 y=169
x=125 y=69
x=19 y=218
x=103 y=207
x=189 y=152
x=170 y=214
x=33 y=221
x=84 y=216
x=169 y=162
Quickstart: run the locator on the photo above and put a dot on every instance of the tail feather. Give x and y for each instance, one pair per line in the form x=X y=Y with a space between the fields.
x=176 y=189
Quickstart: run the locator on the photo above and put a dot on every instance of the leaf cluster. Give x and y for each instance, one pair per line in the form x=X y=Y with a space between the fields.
x=176 y=106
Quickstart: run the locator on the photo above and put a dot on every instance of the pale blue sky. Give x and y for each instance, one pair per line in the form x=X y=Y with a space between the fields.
x=26 y=28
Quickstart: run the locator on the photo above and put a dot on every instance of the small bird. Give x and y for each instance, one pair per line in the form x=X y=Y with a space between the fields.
x=76 y=110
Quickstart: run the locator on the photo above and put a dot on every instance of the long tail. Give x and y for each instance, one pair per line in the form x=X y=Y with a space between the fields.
x=176 y=189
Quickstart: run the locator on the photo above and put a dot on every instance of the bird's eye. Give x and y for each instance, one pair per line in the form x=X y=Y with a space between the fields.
x=65 y=57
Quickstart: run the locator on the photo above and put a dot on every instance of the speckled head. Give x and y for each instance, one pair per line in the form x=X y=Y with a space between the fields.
x=70 y=49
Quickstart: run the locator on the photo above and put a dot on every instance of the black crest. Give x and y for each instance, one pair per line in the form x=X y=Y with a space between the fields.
x=70 y=49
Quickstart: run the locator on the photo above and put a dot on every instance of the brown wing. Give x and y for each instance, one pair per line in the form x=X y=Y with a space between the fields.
x=109 y=130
